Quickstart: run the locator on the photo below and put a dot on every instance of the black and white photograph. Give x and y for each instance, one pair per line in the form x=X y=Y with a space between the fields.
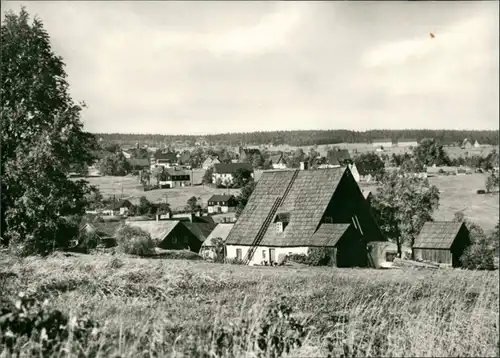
x=249 y=179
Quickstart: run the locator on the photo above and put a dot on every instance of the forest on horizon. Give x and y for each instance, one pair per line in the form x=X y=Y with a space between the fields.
x=306 y=137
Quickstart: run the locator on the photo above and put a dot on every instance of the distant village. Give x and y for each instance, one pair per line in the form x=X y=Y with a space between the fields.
x=293 y=207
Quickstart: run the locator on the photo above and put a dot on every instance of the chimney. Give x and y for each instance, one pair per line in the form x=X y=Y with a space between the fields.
x=304 y=165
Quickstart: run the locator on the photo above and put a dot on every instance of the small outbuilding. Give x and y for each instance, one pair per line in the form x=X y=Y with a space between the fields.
x=442 y=242
x=209 y=247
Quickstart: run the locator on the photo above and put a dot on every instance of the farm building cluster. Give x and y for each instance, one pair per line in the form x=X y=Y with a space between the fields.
x=292 y=212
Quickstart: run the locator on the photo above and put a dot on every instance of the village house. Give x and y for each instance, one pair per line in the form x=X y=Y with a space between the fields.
x=338 y=157
x=184 y=159
x=224 y=173
x=246 y=154
x=175 y=178
x=176 y=234
x=477 y=145
x=442 y=242
x=466 y=144
x=221 y=204
x=104 y=232
x=406 y=143
x=208 y=248
x=278 y=161
x=115 y=208
x=166 y=160
x=291 y=211
x=139 y=164
x=210 y=161
x=382 y=143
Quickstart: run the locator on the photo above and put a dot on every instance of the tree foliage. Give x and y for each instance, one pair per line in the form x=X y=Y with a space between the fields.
x=307 y=137
x=42 y=137
x=244 y=195
x=241 y=177
x=402 y=204
x=208 y=176
x=192 y=205
x=430 y=152
x=114 y=164
x=369 y=163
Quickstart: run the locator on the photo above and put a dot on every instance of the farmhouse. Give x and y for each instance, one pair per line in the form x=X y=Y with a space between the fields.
x=175 y=234
x=466 y=144
x=278 y=161
x=291 y=211
x=209 y=248
x=175 y=178
x=160 y=159
x=120 y=207
x=405 y=143
x=245 y=154
x=442 y=242
x=338 y=157
x=104 y=232
x=139 y=164
x=210 y=161
x=221 y=204
x=382 y=143
x=225 y=172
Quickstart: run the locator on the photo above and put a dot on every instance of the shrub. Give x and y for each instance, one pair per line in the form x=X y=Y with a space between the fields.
x=317 y=256
x=479 y=256
x=135 y=241
x=235 y=261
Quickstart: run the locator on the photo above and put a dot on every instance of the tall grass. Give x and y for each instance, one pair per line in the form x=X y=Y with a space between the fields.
x=182 y=308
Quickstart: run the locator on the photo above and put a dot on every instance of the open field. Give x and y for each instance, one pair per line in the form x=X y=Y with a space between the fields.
x=177 y=197
x=181 y=308
x=458 y=192
x=453 y=152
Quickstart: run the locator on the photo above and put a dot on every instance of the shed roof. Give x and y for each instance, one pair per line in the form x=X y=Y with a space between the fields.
x=220 y=197
x=221 y=230
x=337 y=156
x=199 y=229
x=310 y=191
x=231 y=168
x=105 y=229
x=158 y=230
x=437 y=235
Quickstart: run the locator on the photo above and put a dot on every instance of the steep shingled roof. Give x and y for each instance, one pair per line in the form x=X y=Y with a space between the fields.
x=158 y=230
x=221 y=230
x=219 y=197
x=437 y=235
x=309 y=195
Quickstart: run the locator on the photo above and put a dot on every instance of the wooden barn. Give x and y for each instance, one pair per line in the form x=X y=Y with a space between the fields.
x=291 y=211
x=442 y=242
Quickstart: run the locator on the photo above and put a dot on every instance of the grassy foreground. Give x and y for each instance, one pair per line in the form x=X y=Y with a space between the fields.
x=154 y=308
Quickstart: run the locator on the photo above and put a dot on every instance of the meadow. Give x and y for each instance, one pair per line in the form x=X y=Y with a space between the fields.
x=179 y=308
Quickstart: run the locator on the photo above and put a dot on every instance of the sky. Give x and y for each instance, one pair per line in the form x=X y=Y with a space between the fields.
x=215 y=67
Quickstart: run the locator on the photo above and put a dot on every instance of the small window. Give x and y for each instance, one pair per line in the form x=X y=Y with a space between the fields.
x=263 y=254
x=238 y=254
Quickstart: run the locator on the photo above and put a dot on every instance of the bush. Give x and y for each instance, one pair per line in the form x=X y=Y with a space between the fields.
x=317 y=256
x=479 y=256
x=135 y=241
x=235 y=261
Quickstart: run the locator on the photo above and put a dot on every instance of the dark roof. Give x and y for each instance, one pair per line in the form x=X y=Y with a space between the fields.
x=167 y=156
x=220 y=197
x=105 y=229
x=199 y=229
x=176 y=171
x=310 y=192
x=231 y=168
x=136 y=162
x=277 y=158
x=338 y=156
x=437 y=235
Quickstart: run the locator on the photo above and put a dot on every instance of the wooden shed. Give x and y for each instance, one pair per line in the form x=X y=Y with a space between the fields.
x=442 y=242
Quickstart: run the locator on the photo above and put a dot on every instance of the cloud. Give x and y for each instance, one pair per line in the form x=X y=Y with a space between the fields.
x=207 y=67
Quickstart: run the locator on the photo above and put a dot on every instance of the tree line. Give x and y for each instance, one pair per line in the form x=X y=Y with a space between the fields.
x=307 y=137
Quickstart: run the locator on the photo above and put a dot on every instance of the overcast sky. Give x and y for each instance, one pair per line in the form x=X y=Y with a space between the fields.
x=210 y=67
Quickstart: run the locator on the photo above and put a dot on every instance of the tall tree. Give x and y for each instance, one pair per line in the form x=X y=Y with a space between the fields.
x=42 y=137
x=370 y=163
x=402 y=204
x=430 y=152
x=244 y=195
x=241 y=177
